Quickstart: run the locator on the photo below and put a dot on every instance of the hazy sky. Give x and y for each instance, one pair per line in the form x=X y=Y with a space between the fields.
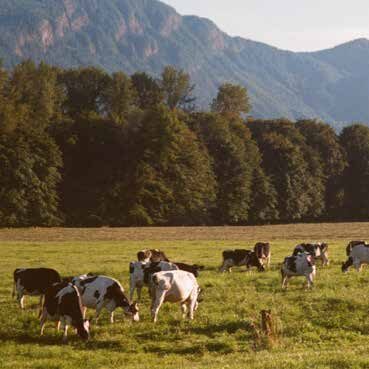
x=300 y=25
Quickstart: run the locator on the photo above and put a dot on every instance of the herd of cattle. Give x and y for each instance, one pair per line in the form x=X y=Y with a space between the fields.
x=65 y=300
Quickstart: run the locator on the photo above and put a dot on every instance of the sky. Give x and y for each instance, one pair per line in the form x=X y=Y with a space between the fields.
x=297 y=25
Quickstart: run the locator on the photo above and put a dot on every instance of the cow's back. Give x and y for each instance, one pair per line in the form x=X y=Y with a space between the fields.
x=178 y=283
x=36 y=280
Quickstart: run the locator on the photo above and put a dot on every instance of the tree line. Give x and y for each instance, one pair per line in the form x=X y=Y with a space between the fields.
x=81 y=147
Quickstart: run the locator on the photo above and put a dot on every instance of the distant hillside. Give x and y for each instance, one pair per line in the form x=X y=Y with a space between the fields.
x=133 y=35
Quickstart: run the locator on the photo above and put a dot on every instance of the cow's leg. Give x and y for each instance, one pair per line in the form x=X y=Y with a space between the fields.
x=21 y=301
x=285 y=279
x=193 y=304
x=357 y=264
x=268 y=260
x=99 y=307
x=226 y=266
x=159 y=299
x=309 y=279
x=43 y=321
x=67 y=323
x=84 y=310
x=184 y=309
x=41 y=305
x=132 y=291
x=58 y=325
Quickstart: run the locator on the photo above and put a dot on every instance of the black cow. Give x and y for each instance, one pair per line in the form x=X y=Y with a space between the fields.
x=240 y=257
x=63 y=305
x=194 y=269
x=33 y=282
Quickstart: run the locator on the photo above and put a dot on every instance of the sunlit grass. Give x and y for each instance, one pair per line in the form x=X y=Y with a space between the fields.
x=327 y=327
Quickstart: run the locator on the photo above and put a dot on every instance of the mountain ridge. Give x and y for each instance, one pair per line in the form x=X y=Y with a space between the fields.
x=146 y=35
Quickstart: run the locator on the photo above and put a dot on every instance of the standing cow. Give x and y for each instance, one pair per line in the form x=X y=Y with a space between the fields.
x=318 y=250
x=136 y=278
x=176 y=286
x=33 y=282
x=63 y=305
x=240 y=257
x=302 y=264
x=263 y=253
x=358 y=256
x=98 y=292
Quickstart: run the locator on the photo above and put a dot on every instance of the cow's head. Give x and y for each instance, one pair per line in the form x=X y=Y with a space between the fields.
x=346 y=266
x=132 y=311
x=84 y=330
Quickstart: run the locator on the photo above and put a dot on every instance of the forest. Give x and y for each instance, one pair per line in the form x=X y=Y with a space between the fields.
x=85 y=148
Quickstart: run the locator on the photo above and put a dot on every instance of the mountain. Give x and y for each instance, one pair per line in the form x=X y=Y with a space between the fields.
x=146 y=35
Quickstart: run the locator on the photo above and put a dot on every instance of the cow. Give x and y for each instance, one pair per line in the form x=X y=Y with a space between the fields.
x=358 y=256
x=352 y=244
x=240 y=257
x=175 y=286
x=153 y=255
x=98 y=292
x=63 y=305
x=136 y=277
x=161 y=266
x=194 y=269
x=33 y=282
x=318 y=250
x=302 y=264
x=262 y=251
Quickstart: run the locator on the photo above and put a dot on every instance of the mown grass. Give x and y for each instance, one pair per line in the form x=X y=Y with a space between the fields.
x=327 y=327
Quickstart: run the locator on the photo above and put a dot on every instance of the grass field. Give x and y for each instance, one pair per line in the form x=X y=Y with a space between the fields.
x=327 y=327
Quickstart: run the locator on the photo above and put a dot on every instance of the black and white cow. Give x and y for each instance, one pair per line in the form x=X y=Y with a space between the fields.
x=98 y=292
x=263 y=253
x=240 y=257
x=175 y=286
x=33 y=282
x=352 y=244
x=63 y=305
x=136 y=278
x=161 y=266
x=302 y=264
x=152 y=255
x=358 y=255
x=318 y=250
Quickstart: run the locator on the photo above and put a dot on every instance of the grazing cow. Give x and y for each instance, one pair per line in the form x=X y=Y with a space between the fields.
x=194 y=269
x=152 y=255
x=233 y=258
x=33 y=282
x=136 y=278
x=262 y=251
x=161 y=266
x=358 y=256
x=63 y=305
x=100 y=291
x=176 y=286
x=318 y=250
x=352 y=244
x=302 y=264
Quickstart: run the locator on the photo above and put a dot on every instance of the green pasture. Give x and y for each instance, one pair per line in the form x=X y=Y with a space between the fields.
x=327 y=327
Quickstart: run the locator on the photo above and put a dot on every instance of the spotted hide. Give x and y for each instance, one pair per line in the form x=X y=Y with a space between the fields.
x=98 y=292
x=63 y=304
